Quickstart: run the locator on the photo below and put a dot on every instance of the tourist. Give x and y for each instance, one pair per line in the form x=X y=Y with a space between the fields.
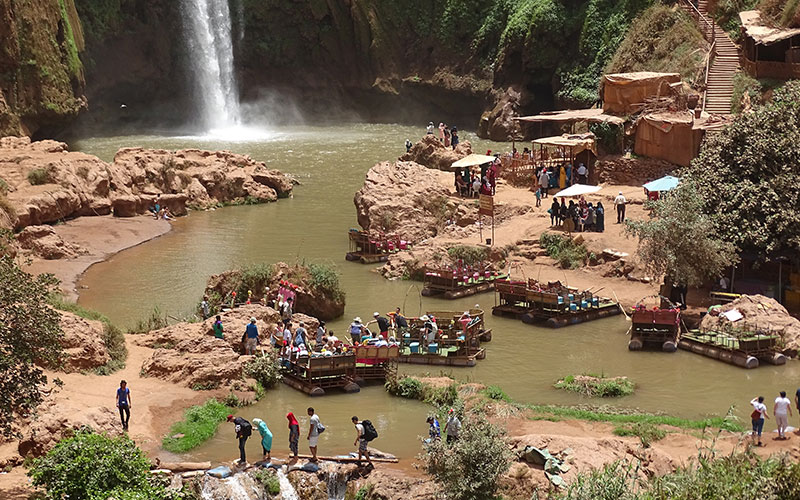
x=287 y=335
x=544 y=182
x=568 y=172
x=446 y=137
x=563 y=212
x=452 y=427
x=266 y=437
x=204 y=308
x=356 y=330
x=782 y=411
x=454 y=137
x=314 y=428
x=460 y=184
x=299 y=335
x=429 y=329
x=409 y=145
x=589 y=221
x=562 y=176
x=600 y=218
x=583 y=174
x=434 y=430
x=538 y=195
x=620 y=202
x=476 y=185
x=294 y=435
x=723 y=284
x=157 y=208
x=243 y=431
x=797 y=400
x=441 y=132
x=429 y=130
x=286 y=310
x=124 y=404
x=250 y=337
x=401 y=324
x=217 y=327
x=492 y=174
x=555 y=212
x=383 y=324
x=320 y=332
x=361 y=441
x=757 y=417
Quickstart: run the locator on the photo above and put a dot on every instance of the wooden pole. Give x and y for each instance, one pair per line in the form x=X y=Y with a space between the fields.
x=351 y=459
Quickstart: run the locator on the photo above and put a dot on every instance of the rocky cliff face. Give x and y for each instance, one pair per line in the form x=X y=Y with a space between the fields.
x=41 y=74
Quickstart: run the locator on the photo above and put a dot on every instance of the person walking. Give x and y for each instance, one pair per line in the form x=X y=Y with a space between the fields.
x=286 y=311
x=266 y=437
x=782 y=411
x=757 y=417
x=243 y=431
x=544 y=181
x=124 y=404
x=361 y=441
x=250 y=337
x=555 y=213
x=620 y=202
x=314 y=426
x=205 y=308
x=356 y=330
x=294 y=435
x=600 y=217
x=452 y=427
x=217 y=327
x=434 y=430
x=538 y=195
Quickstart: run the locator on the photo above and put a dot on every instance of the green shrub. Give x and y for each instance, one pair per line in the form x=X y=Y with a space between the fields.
x=496 y=393
x=269 y=479
x=596 y=386
x=3 y=187
x=39 y=176
x=646 y=431
x=564 y=250
x=363 y=492
x=266 y=369
x=198 y=425
x=726 y=13
x=406 y=387
x=155 y=321
x=325 y=279
x=469 y=254
x=609 y=136
x=91 y=466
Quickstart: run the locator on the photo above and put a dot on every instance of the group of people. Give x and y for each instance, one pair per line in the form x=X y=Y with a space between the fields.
x=159 y=211
x=782 y=410
x=581 y=216
x=452 y=428
x=364 y=430
x=447 y=135
x=559 y=176
x=470 y=183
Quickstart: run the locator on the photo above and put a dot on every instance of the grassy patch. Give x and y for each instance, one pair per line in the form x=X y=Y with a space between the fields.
x=412 y=388
x=596 y=386
x=468 y=254
x=568 y=253
x=154 y=321
x=39 y=176
x=496 y=393
x=646 y=431
x=198 y=425
x=269 y=479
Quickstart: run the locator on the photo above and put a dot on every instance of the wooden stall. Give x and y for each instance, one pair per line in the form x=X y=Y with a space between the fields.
x=769 y=52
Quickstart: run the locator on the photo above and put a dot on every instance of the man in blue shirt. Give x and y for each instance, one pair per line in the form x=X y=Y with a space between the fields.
x=250 y=337
x=124 y=404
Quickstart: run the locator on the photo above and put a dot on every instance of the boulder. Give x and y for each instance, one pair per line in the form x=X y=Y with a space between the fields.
x=52 y=425
x=430 y=152
x=498 y=124
x=198 y=362
x=83 y=343
x=125 y=205
x=44 y=242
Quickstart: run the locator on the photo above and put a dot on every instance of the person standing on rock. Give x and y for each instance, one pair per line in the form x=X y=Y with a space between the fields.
x=218 y=330
x=757 y=417
x=782 y=411
x=250 y=337
x=314 y=426
x=286 y=311
x=452 y=427
x=204 y=307
x=243 y=431
x=409 y=145
x=620 y=202
x=266 y=437
x=124 y=404
x=361 y=441
x=294 y=435
x=454 y=134
x=429 y=130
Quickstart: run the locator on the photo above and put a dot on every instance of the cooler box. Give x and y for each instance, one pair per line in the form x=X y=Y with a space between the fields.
x=560 y=300
x=571 y=297
x=433 y=348
x=584 y=304
x=573 y=306
x=414 y=347
x=595 y=302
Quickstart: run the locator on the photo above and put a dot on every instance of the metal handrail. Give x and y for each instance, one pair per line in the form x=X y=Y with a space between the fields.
x=708 y=66
x=702 y=17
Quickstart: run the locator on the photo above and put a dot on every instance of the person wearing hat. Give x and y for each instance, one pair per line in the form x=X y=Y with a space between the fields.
x=243 y=431
x=383 y=324
x=429 y=130
x=465 y=320
x=356 y=330
x=250 y=337
x=400 y=322
x=428 y=329
x=620 y=202
x=452 y=427
x=434 y=430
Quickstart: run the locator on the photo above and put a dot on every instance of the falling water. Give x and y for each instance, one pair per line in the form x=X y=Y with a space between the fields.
x=287 y=490
x=337 y=487
x=211 y=55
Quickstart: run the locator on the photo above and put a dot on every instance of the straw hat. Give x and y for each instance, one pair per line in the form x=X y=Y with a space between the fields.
x=357 y=319
x=424 y=317
x=253 y=319
x=376 y=314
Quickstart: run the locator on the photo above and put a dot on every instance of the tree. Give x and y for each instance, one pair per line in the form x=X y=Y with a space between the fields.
x=470 y=468
x=679 y=241
x=29 y=333
x=747 y=177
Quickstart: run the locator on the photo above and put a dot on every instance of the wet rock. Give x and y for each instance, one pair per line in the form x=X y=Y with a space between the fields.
x=430 y=152
x=43 y=242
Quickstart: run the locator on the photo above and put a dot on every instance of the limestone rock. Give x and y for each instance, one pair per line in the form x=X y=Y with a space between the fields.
x=53 y=425
x=498 y=124
x=196 y=362
x=430 y=152
x=44 y=242
x=83 y=343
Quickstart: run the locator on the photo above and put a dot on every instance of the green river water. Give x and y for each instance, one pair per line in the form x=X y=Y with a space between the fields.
x=330 y=161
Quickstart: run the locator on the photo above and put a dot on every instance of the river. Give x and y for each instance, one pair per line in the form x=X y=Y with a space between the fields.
x=330 y=162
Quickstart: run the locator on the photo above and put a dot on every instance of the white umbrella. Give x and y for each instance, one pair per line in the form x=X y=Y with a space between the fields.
x=471 y=161
x=577 y=190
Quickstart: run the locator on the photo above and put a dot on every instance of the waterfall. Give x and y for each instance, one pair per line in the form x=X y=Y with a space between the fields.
x=287 y=490
x=211 y=55
x=336 y=487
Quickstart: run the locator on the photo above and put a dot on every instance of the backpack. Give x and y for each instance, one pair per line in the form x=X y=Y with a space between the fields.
x=320 y=428
x=369 y=431
x=245 y=429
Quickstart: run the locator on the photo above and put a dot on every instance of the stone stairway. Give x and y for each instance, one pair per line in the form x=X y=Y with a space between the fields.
x=724 y=65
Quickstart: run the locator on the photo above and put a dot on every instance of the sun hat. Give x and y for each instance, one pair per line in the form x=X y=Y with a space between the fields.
x=357 y=319
x=253 y=319
x=424 y=317
x=376 y=314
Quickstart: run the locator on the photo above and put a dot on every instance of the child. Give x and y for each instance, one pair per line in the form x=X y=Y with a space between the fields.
x=539 y=197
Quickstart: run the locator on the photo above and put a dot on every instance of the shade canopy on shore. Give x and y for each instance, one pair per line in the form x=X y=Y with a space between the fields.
x=577 y=190
x=471 y=161
x=666 y=183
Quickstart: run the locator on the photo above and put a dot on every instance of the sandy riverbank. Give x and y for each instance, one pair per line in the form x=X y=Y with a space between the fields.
x=101 y=237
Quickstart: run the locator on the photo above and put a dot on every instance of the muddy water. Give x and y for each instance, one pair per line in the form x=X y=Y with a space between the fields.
x=170 y=273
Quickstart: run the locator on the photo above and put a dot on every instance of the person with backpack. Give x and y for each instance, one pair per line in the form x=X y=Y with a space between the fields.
x=315 y=427
x=365 y=432
x=243 y=431
x=757 y=417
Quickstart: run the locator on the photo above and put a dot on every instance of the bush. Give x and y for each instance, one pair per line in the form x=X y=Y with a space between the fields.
x=269 y=479
x=325 y=279
x=564 y=250
x=412 y=388
x=406 y=387
x=3 y=187
x=266 y=369
x=596 y=386
x=363 y=492
x=254 y=278
x=155 y=321
x=646 y=432
x=198 y=425
x=469 y=254
x=496 y=393
x=38 y=177
x=608 y=135
x=92 y=466
x=470 y=468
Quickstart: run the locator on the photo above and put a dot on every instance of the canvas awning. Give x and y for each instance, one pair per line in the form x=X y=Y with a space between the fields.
x=666 y=183
x=577 y=190
x=576 y=143
x=592 y=115
x=754 y=28
x=471 y=161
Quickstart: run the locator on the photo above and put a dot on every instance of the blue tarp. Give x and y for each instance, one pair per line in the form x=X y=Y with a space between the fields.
x=666 y=183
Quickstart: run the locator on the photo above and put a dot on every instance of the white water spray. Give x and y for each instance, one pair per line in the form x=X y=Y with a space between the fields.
x=287 y=490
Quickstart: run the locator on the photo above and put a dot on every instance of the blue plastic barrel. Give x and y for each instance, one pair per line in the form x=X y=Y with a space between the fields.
x=573 y=306
x=414 y=347
x=433 y=348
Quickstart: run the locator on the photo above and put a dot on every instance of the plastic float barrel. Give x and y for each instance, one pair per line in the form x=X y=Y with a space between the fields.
x=574 y=320
x=317 y=391
x=556 y=322
x=351 y=257
x=669 y=346
x=351 y=387
x=775 y=359
x=360 y=381
x=426 y=292
x=528 y=318
x=635 y=344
